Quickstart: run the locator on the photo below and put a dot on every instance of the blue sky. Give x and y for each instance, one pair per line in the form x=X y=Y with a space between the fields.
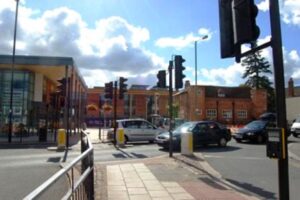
x=136 y=38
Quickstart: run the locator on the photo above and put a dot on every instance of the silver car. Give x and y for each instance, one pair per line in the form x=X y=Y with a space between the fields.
x=136 y=130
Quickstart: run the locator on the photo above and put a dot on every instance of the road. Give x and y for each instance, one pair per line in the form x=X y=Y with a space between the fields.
x=23 y=169
x=246 y=165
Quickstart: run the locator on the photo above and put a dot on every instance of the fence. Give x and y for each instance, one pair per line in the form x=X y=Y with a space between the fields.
x=83 y=186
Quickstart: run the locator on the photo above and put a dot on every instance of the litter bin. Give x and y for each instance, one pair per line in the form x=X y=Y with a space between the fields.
x=43 y=135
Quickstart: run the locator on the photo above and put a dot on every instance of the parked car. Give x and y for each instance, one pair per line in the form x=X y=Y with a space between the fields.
x=204 y=132
x=253 y=131
x=136 y=130
x=268 y=116
x=295 y=128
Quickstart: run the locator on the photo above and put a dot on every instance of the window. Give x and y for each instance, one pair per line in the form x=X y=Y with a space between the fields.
x=211 y=113
x=227 y=114
x=242 y=114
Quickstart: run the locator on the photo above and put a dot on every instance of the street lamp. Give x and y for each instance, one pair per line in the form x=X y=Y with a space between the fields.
x=12 y=75
x=195 y=44
x=200 y=39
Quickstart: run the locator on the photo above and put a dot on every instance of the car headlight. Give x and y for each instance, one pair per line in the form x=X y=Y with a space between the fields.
x=250 y=133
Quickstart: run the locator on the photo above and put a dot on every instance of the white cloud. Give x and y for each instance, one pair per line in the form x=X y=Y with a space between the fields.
x=263 y=6
x=112 y=45
x=229 y=76
x=184 y=41
x=290 y=10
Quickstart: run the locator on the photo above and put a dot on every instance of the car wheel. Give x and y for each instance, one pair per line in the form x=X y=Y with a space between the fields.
x=126 y=139
x=151 y=141
x=238 y=140
x=259 y=139
x=295 y=135
x=222 y=142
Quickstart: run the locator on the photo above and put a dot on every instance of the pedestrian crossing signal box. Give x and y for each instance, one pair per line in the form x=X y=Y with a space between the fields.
x=274 y=143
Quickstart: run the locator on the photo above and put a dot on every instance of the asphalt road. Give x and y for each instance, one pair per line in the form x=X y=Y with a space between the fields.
x=246 y=165
x=24 y=169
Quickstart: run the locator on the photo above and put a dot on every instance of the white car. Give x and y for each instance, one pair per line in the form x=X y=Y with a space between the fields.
x=295 y=128
x=136 y=130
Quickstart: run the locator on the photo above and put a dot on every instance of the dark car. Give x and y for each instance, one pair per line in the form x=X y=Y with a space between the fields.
x=204 y=132
x=254 y=131
x=268 y=116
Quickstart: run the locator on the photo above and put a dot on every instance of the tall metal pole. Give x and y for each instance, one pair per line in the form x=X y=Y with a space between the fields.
x=115 y=112
x=12 y=75
x=171 y=108
x=283 y=170
x=196 y=62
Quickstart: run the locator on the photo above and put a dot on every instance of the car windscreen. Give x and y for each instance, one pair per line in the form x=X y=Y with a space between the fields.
x=185 y=127
x=297 y=120
x=256 y=125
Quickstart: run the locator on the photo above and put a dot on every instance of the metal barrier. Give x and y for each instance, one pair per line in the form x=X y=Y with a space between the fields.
x=83 y=188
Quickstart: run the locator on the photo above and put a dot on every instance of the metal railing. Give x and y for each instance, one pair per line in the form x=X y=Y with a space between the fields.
x=83 y=187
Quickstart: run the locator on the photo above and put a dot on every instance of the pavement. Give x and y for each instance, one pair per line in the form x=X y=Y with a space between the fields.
x=162 y=178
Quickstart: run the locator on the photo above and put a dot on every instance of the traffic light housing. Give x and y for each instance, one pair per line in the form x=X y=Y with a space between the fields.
x=109 y=90
x=62 y=88
x=226 y=29
x=179 y=76
x=161 y=79
x=244 y=13
x=122 y=87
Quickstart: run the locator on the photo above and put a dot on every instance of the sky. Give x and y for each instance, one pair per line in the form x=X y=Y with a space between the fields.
x=137 y=38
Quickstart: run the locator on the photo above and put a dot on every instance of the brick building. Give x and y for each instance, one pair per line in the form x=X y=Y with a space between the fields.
x=138 y=102
x=230 y=105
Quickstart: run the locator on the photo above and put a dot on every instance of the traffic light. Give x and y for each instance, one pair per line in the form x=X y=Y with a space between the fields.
x=109 y=90
x=62 y=88
x=244 y=14
x=179 y=76
x=53 y=99
x=161 y=79
x=122 y=86
x=226 y=29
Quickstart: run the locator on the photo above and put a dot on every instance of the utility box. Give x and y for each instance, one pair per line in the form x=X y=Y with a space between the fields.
x=187 y=143
x=275 y=142
x=61 y=138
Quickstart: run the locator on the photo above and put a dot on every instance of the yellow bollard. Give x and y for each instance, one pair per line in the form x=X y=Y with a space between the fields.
x=187 y=143
x=120 y=137
x=61 y=139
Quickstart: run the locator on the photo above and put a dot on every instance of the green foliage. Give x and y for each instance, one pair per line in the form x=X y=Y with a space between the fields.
x=256 y=69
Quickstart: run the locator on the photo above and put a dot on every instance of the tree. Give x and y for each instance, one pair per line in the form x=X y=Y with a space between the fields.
x=257 y=67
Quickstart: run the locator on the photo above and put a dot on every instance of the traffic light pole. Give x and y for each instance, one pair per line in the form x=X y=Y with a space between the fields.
x=171 y=108
x=283 y=169
x=115 y=112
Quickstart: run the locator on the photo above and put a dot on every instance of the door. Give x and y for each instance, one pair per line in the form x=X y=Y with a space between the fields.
x=149 y=131
x=200 y=134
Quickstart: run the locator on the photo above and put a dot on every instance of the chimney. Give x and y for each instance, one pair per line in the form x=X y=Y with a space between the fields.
x=291 y=88
x=187 y=84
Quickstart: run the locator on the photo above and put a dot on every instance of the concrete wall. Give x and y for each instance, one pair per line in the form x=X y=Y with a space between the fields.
x=292 y=108
x=38 y=87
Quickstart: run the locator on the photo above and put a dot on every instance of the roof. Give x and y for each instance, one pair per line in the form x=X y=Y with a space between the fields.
x=227 y=92
x=52 y=67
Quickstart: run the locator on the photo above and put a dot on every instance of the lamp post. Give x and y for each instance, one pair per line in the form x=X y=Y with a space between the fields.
x=195 y=43
x=12 y=75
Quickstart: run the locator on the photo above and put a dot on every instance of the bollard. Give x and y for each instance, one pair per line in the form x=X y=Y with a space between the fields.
x=61 y=139
x=120 y=137
x=187 y=144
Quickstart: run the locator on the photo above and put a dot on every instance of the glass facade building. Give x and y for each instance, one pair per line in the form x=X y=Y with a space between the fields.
x=22 y=98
